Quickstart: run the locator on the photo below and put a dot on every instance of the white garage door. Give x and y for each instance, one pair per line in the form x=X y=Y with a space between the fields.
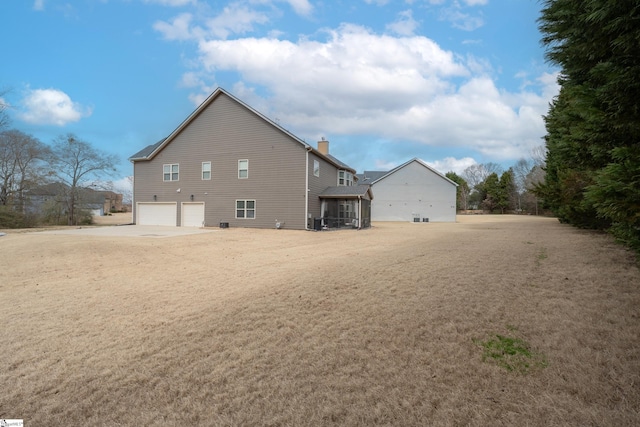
x=157 y=214
x=192 y=214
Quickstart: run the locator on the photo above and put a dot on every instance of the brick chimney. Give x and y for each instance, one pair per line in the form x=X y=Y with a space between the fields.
x=323 y=146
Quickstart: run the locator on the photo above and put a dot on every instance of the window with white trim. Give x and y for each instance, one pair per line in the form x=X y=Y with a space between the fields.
x=170 y=172
x=316 y=168
x=245 y=209
x=243 y=169
x=206 y=171
x=345 y=179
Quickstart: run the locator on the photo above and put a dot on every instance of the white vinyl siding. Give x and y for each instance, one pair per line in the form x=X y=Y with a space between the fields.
x=245 y=209
x=414 y=191
x=206 y=171
x=170 y=172
x=243 y=169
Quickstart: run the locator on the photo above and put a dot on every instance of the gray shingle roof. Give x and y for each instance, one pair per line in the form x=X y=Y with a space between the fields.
x=370 y=176
x=339 y=163
x=346 y=191
x=146 y=151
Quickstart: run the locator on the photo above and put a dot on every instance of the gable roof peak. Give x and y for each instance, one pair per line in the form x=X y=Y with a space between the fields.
x=416 y=160
x=150 y=151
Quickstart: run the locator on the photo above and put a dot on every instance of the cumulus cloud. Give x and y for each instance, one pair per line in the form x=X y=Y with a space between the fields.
x=51 y=106
x=172 y=3
x=405 y=25
x=177 y=29
x=235 y=19
x=476 y=2
x=451 y=164
x=356 y=82
x=461 y=20
x=301 y=7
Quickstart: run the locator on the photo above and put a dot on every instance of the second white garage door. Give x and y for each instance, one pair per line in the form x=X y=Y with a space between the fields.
x=192 y=214
x=157 y=214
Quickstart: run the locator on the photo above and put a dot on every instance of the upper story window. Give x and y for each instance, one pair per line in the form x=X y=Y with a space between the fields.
x=243 y=169
x=170 y=172
x=316 y=168
x=206 y=170
x=345 y=179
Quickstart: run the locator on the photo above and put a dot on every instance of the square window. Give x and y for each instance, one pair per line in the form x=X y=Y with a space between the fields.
x=170 y=172
x=245 y=209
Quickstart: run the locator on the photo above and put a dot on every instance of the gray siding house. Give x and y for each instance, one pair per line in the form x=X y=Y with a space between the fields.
x=229 y=165
x=413 y=191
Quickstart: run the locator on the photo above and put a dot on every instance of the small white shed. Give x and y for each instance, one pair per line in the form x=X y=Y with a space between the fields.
x=413 y=192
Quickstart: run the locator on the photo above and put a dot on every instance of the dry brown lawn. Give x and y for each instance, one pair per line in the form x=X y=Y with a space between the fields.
x=291 y=328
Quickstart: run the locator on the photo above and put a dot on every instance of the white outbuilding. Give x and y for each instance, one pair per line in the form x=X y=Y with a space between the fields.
x=413 y=191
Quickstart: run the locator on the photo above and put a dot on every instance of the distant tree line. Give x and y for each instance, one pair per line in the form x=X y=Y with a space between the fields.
x=486 y=186
x=66 y=168
x=593 y=126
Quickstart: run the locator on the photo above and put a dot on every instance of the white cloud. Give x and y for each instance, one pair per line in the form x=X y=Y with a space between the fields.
x=124 y=186
x=451 y=164
x=301 y=7
x=51 y=106
x=173 y=3
x=461 y=20
x=190 y=80
x=38 y=5
x=361 y=63
x=405 y=25
x=178 y=29
x=476 y=2
x=397 y=88
x=235 y=19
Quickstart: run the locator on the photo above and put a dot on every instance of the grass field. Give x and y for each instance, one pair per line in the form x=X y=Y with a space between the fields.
x=493 y=320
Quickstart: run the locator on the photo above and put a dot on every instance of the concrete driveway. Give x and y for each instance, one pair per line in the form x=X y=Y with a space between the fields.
x=156 y=231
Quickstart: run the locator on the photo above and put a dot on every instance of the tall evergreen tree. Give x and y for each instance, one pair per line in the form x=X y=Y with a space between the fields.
x=593 y=126
x=462 y=191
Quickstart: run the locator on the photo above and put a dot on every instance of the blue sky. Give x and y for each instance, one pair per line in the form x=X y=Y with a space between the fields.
x=453 y=82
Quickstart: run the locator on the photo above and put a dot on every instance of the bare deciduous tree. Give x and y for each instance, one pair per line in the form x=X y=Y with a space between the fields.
x=478 y=173
x=21 y=158
x=74 y=162
x=4 y=117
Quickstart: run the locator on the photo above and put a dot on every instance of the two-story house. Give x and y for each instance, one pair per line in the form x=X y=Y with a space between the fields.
x=229 y=165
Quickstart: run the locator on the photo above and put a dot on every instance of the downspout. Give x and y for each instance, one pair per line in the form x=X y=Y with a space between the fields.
x=359 y=212
x=306 y=190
